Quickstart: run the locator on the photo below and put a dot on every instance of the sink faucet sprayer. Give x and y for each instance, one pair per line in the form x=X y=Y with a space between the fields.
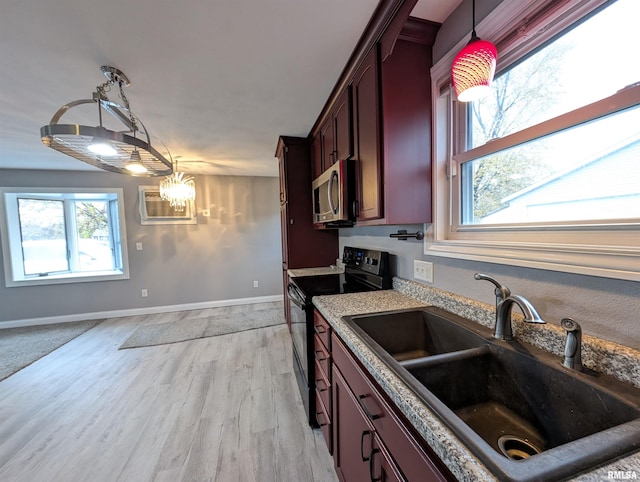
x=504 y=305
x=573 y=347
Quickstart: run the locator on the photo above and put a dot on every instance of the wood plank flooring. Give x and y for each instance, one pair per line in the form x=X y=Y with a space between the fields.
x=222 y=409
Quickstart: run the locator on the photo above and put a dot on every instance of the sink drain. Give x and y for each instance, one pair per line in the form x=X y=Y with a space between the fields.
x=517 y=448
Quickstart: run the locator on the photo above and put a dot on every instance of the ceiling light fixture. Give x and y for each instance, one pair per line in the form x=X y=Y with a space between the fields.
x=473 y=68
x=179 y=189
x=115 y=151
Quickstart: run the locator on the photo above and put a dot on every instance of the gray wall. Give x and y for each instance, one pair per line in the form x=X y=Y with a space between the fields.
x=606 y=308
x=214 y=260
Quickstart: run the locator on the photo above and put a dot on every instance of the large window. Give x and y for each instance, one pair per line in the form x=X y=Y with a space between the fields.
x=545 y=171
x=62 y=236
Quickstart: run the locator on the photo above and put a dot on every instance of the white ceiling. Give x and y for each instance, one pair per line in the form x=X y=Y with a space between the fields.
x=215 y=80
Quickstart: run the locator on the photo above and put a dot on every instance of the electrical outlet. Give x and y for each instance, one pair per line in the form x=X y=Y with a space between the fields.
x=144 y=293
x=139 y=246
x=255 y=283
x=206 y=213
x=423 y=270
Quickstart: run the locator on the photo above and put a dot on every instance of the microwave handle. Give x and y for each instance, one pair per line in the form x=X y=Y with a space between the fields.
x=334 y=174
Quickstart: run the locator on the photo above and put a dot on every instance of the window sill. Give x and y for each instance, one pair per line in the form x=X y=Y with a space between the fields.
x=606 y=262
x=86 y=277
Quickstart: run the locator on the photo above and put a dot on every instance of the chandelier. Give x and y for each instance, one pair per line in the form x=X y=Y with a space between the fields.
x=473 y=68
x=116 y=151
x=179 y=189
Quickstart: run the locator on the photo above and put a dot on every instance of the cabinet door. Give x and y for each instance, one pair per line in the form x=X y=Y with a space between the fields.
x=284 y=230
x=316 y=156
x=352 y=434
x=327 y=144
x=283 y=179
x=342 y=127
x=382 y=468
x=366 y=110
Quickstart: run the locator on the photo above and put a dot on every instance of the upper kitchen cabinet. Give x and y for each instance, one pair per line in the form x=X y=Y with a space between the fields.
x=366 y=128
x=333 y=141
x=393 y=127
x=387 y=80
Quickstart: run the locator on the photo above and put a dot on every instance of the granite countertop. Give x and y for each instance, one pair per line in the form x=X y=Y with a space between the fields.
x=621 y=362
x=294 y=273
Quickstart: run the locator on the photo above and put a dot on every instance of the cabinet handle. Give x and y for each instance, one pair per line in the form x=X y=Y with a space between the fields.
x=320 y=355
x=364 y=434
x=325 y=385
x=372 y=467
x=366 y=410
x=320 y=329
x=318 y=415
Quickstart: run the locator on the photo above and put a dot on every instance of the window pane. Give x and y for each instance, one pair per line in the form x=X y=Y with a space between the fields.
x=589 y=172
x=43 y=233
x=94 y=238
x=589 y=63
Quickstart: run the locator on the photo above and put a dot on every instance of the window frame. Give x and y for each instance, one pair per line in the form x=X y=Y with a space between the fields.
x=606 y=249
x=10 y=236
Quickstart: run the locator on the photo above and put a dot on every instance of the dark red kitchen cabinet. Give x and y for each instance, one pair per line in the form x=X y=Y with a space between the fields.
x=353 y=434
x=342 y=128
x=334 y=139
x=366 y=123
x=302 y=245
x=316 y=156
x=401 y=455
x=392 y=121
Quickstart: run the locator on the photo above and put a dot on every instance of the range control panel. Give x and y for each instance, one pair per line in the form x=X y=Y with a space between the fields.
x=368 y=260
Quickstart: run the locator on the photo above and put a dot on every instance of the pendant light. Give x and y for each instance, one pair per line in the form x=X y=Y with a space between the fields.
x=179 y=189
x=116 y=151
x=473 y=68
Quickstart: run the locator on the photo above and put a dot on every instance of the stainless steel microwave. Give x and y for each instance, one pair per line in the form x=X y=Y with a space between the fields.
x=334 y=195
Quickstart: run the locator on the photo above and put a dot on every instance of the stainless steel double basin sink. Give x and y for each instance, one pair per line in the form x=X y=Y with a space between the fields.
x=523 y=414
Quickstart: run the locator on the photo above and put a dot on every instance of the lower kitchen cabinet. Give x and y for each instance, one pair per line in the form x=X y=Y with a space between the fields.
x=353 y=434
x=370 y=439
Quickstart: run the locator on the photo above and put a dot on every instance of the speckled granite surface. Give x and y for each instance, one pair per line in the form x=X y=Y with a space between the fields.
x=599 y=355
x=315 y=271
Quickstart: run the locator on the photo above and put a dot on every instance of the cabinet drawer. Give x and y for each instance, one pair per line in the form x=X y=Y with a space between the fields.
x=322 y=329
x=323 y=359
x=323 y=388
x=324 y=421
x=409 y=454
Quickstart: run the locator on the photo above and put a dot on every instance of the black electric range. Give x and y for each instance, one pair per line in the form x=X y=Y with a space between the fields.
x=365 y=270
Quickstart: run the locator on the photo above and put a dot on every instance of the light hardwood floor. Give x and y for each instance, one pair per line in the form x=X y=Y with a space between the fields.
x=223 y=409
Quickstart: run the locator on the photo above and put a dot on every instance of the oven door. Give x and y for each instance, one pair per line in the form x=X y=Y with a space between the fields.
x=299 y=309
x=301 y=333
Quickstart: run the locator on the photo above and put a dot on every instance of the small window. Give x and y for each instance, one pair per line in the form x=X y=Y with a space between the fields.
x=62 y=236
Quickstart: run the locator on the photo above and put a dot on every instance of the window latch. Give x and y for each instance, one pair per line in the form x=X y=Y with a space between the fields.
x=452 y=169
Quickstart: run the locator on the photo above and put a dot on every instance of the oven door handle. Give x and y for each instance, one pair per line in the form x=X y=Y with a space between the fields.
x=295 y=295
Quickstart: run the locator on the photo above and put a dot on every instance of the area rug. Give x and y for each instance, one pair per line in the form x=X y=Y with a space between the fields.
x=20 y=347
x=192 y=329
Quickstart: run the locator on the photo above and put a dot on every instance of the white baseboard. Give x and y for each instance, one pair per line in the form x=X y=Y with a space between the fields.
x=150 y=310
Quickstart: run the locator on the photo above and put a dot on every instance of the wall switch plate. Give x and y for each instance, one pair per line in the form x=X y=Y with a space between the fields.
x=423 y=270
x=255 y=284
x=144 y=293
